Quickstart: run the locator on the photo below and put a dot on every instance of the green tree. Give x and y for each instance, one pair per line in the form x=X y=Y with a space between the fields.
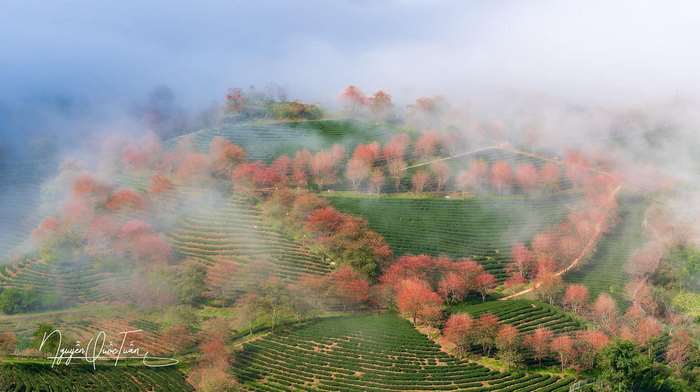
x=624 y=368
x=271 y=301
x=51 y=344
x=191 y=284
x=14 y=300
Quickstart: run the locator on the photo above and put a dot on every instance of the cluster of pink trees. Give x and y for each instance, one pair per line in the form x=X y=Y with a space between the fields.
x=270 y=299
x=343 y=287
x=226 y=160
x=372 y=164
x=211 y=372
x=369 y=166
x=340 y=238
x=503 y=177
x=664 y=232
x=89 y=217
x=139 y=241
x=363 y=167
x=465 y=333
x=141 y=154
x=225 y=156
x=418 y=285
x=321 y=168
x=378 y=105
x=639 y=324
x=565 y=246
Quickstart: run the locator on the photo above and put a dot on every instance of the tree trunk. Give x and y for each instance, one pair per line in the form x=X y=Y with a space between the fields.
x=561 y=359
x=274 y=318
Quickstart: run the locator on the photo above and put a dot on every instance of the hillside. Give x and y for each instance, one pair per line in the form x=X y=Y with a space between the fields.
x=232 y=232
x=20 y=184
x=261 y=272
x=360 y=353
x=605 y=272
x=265 y=140
x=525 y=315
x=35 y=377
x=481 y=227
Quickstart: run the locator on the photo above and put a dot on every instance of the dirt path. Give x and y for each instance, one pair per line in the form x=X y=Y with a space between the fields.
x=586 y=249
x=462 y=154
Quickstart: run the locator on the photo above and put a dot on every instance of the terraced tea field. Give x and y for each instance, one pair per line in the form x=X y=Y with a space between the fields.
x=268 y=141
x=20 y=183
x=481 y=228
x=605 y=271
x=525 y=315
x=41 y=377
x=369 y=353
x=68 y=282
x=84 y=322
x=234 y=231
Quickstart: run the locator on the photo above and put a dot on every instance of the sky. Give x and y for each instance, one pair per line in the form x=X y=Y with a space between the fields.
x=79 y=63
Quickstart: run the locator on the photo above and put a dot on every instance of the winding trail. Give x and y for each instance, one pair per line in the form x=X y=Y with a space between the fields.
x=461 y=154
x=503 y=147
x=586 y=249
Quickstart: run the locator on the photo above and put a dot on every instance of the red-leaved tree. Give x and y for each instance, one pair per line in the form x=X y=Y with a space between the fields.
x=427 y=144
x=380 y=104
x=550 y=175
x=526 y=176
x=679 y=349
x=483 y=283
x=523 y=261
x=459 y=330
x=124 y=198
x=395 y=148
x=367 y=153
x=501 y=176
x=605 y=312
x=349 y=286
x=538 y=342
x=420 y=179
x=353 y=98
x=225 y=155
x=376 y=180
x=160 y=184
x=576 y=297
x=452 y=287
x=357 y=171
x=485 y=331
x=563 y=346
x=442 y=173
x=324 y=166
x=508 y=344
x=415 y=299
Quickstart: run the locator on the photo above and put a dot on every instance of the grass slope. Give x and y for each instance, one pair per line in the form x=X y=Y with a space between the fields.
x=605 y=271
x=483 y=228
x=369 y=353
